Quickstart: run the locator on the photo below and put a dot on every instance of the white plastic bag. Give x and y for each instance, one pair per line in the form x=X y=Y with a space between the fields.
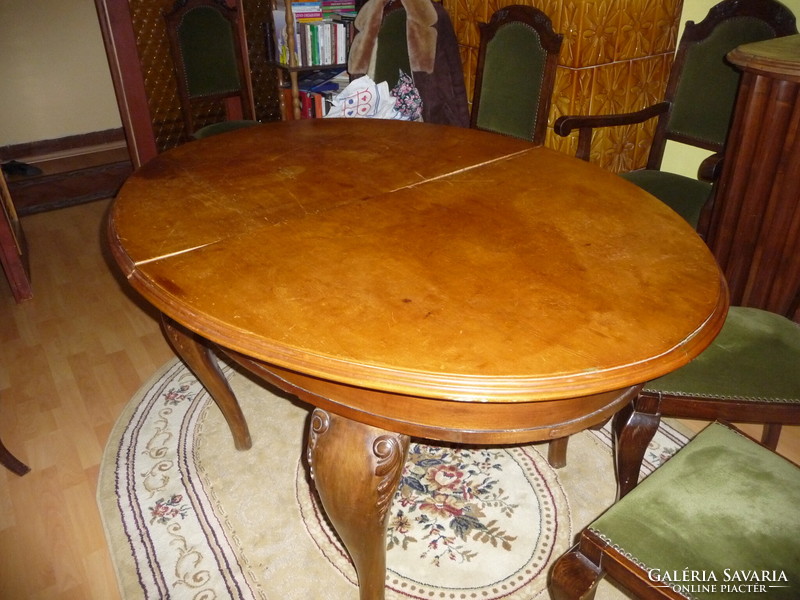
x=363 y=98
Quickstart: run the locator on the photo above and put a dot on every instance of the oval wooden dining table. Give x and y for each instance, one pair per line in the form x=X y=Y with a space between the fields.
x=409 y=279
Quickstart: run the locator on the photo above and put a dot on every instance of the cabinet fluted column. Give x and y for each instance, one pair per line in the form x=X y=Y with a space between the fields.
x=755 y=223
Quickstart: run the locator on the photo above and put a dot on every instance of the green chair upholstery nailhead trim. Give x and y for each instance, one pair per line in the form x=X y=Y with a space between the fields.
x=723 y=502
x=756 y=356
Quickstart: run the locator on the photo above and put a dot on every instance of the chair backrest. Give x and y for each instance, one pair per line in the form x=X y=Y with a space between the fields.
x=516 y=69
x=392 y=53
x=207 y=52
x=702 y=86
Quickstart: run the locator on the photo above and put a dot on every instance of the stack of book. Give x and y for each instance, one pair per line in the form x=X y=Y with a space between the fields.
x=322 y=43
x=316 y=90
x=307 y=11
x=332 y=9
x=323 y=31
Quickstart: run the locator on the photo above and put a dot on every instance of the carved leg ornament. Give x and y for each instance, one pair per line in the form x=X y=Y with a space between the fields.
x=197 y=355
x=356 y=469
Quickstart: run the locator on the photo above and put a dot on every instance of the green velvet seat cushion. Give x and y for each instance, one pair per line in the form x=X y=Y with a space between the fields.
x=755 y=356
x=221 y=127
x=722 y=502
x=684 y=195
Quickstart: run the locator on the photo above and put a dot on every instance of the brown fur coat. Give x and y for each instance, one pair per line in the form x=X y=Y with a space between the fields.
x=433 y=57
x=420 y=32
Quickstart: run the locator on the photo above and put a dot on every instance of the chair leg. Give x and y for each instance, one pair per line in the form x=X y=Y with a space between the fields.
x=557 y=448
x=574 y=577
x=634 y=426
x=557 y=453
x=770 y=435
x=11 y=462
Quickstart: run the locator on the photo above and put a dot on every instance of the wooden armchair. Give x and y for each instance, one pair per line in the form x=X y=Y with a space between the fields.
x=698 y=104
x=210 y=65
x=722 y=505
x=516 y=70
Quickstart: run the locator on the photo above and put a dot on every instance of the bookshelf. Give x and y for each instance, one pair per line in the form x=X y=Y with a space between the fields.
x=308 y=36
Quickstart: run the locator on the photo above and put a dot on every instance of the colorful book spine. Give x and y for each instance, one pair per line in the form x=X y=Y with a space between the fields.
x=307 y=12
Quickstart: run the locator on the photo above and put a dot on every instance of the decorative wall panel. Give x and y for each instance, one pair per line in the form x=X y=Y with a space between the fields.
x=615 y=57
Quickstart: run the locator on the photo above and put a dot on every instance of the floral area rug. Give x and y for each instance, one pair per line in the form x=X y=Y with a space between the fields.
x=188 y=516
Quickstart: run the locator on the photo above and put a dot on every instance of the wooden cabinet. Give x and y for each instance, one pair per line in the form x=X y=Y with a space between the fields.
x=755 y=223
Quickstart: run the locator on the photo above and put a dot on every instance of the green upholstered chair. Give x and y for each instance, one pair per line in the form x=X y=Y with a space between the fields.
x=516 y=70
x=209 y=66
x=698 y=104
x=749 y=374
x=723 y=511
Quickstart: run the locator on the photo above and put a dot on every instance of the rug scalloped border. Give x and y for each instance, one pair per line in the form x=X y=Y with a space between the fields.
x=180 y=523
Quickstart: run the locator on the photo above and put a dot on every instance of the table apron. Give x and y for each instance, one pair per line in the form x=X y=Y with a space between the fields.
x=445 y=420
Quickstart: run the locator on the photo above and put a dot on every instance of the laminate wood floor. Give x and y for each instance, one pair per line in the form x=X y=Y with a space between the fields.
x=70 y=359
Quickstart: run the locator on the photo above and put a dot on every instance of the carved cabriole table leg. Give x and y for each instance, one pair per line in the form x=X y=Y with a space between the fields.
x=356 y=469
x=198 y=356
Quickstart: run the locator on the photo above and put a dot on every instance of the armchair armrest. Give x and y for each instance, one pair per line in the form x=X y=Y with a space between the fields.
x=709 y=171
x=587 y=123
x=711 y=168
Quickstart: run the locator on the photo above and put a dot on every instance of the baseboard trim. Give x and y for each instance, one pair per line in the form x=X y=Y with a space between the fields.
x=72 y=145
x=75 y=169
x=60 y=190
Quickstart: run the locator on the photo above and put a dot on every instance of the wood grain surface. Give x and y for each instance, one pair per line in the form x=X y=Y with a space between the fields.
x=418 y=259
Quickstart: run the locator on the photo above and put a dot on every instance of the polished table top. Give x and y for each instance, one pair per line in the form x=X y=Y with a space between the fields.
x=418 y=259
